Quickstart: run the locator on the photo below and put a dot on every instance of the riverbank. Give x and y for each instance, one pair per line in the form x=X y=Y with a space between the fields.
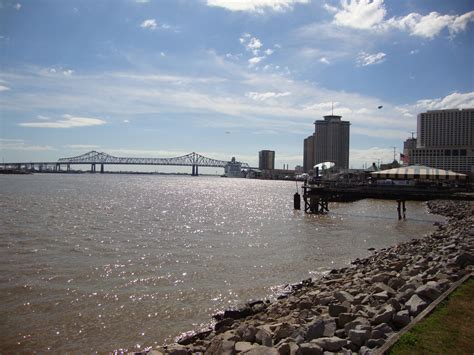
x=352 y=309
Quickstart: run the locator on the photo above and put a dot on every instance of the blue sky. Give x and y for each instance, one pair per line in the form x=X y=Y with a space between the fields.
x=225 y=78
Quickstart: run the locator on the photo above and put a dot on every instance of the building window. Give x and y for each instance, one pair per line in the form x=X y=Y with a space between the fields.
x=455 y=152
x=447 y=152
x=462 y=152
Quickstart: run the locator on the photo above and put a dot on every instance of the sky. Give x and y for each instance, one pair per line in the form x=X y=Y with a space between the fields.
x=224 y=78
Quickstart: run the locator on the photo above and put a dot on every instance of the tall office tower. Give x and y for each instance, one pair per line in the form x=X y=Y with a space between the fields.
x=266 y=159
x=445 y=140
x=331 y=141
x=308 y=155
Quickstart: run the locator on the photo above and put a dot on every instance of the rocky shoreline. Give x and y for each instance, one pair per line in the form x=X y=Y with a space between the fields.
x=352 y=310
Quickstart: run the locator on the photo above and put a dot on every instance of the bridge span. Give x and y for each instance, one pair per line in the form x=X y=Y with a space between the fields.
x=94 y=158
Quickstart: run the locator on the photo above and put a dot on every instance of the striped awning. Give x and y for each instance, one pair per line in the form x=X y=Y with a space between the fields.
x=418 y=172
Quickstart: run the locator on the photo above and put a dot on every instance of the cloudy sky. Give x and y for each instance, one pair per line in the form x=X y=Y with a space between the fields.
x=162 y=78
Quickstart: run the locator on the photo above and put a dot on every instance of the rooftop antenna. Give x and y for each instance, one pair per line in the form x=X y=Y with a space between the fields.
x=412 y=135
x=332 y=108
x=394 y=153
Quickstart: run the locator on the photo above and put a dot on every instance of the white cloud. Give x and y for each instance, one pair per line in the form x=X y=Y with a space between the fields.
x=68 y=72
x=454 y=100
x=254 y=43
x=324 y=60
x=257 y=6
x=262 y=96
x=150 y=24
x=4 y=88
x=20 y=144
x=158 y=95
x=17 y=6
x=370 y=15
x=362 y=14
x=414 y=51
x=142 y=1
x=255 y=60
x=364 y=59
x=269 y=51
x=126 y=121
x=67 y=121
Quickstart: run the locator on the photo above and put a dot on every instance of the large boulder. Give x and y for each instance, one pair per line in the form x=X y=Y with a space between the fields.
x=336 y=309
x=401 y=319
x=358 y=336
x=320 y=328
x=415 y=305
x=330 y=343
x=428 y=292
x=310 y=349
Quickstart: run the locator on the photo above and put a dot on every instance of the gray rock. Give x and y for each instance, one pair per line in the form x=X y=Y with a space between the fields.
x=223 y=325
x=262 y=350
x=384 y=328
x=401 y=319
x=380 y=287
x=283 y=331
x=319 y=328
x=428 y=292
x=382 y=277
x=355 y=323
x=358 y=337
x=154 y=352
x=365 y=351
x=359 y=298
x=310 y=349
x=375 y=343
x=396 y=282
x=243 y=346
x=247 y=332
x=331 y=343
x=381 y=296
x=345 y=318
x=377 y=334
x=384 y=316
x=395 y=304
x=336 y=309
x=177 y=349
x=415 y=305
x=288 y=349
x=343 y=296
x=263 y=337
x=405 y=295
x=220 y=347
x=407 y=287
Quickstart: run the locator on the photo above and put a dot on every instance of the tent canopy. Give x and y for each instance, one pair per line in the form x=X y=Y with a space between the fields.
x=418 y=172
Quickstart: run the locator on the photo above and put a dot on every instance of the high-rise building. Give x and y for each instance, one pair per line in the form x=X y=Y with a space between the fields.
x=308 y=155
x=266 y=159
x=330 y=142
x=445 y=140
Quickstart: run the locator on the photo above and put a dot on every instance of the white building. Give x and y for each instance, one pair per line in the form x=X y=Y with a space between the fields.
x=445 y=140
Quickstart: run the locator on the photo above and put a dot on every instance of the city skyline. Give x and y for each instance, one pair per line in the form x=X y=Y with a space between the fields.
x=225 y=78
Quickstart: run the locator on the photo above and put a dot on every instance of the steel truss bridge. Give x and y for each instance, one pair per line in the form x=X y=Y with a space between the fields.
x=94 y=158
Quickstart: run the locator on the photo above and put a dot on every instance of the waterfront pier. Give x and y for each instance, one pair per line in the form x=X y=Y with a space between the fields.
x=316 y=197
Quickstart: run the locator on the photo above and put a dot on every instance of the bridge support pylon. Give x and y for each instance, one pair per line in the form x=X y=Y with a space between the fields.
x=93 y=168
x=101 y=168
x=195 y=171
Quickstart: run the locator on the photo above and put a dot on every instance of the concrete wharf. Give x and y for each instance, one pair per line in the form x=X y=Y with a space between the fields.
x=317 y=196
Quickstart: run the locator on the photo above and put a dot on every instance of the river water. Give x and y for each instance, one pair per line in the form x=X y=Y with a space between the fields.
x=104 y=262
